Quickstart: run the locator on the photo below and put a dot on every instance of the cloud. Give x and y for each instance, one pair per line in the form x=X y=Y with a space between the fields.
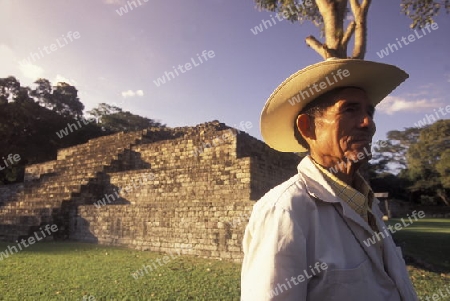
x=393 y=104
x=130 y=93
x=419 y=93
x=59 y=78
x=428 y=86
x=31 y=71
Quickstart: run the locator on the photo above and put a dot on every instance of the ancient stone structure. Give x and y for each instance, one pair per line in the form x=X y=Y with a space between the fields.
x=187 y=190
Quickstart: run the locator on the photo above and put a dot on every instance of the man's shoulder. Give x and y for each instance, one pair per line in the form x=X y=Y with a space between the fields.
x=286 y=196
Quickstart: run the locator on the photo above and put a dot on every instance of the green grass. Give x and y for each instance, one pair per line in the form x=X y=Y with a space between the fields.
x=427 y=240
x=69 y=271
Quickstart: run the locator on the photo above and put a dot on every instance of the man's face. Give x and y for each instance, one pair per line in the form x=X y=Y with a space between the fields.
x=346 y=128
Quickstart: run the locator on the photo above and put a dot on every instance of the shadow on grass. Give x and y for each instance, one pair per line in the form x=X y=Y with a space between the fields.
x=61 y=247
x=57 y=247
x=425 y=244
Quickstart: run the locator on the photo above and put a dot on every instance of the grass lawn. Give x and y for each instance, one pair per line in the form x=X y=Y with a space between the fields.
x=71 y=271
x=427 y=240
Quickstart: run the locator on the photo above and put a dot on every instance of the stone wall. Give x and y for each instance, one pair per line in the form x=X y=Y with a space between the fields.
x=54 y=189
x=188 y=189
x=8 y=193
x=268 y=167
x=206 y=229
x=35 y=171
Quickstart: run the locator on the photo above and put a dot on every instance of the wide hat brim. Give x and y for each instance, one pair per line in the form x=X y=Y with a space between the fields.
x=302 y=87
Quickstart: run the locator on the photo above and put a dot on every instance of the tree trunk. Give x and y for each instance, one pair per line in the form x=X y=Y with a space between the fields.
x=336 y=40
x=443 y=196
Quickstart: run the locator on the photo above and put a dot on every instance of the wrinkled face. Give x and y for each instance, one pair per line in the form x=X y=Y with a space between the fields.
x=346 y=128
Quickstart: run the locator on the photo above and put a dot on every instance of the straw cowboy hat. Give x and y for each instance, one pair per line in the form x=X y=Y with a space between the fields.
x=302 y=87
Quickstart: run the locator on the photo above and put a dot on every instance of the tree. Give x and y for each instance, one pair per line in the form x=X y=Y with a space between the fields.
x=114 y=119
x=62 y=99
x=9 y=88
x=66 y=101
x=395 y=185
x=388 y=166
x=422 y=11
x=392 y=152
x=42 y=93
x=29 y=129
x=443 y=168
x=31 y=118
x=428 y=161
x=103 y=109
x=329 y=16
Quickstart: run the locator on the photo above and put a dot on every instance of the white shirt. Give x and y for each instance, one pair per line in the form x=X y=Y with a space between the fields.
x=304 y=243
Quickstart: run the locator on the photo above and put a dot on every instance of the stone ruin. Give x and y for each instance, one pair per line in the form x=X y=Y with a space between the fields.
x=187 y=189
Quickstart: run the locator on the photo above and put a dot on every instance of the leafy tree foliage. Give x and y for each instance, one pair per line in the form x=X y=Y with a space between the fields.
x=391 y=154
x=395 y=185
x=9 y=89
x=422 y=155
x=443 y=168
x=62 y=99
x=422 y=12
x=103 y=109
x=428 y=160
x=114 y=119
x=30 y=119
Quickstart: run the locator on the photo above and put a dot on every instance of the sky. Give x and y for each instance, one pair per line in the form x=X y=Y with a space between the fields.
x=120 y=57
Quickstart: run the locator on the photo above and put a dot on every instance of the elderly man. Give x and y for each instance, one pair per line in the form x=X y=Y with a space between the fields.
x=309 y=237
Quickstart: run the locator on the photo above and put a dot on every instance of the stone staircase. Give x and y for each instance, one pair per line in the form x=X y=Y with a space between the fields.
x=50 y=192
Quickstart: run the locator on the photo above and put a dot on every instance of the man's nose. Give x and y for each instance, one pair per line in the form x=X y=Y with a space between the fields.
x=366 y=121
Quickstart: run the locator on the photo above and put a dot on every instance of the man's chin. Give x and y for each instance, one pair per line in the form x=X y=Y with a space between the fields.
x=360 y=153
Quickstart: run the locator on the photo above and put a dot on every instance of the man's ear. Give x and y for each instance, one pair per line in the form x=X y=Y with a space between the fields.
x=305 y=126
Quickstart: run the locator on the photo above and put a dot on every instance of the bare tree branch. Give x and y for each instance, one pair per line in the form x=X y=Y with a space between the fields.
x=354 y=5
x=360 y=13
x=332 y=12
x=329 y=16
x=320 y=48
x=347 y=35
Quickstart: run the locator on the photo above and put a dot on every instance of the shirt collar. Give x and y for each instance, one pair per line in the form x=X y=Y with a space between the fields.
x=356 y=197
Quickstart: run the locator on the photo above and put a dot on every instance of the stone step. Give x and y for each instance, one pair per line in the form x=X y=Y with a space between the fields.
x=40 y=211
x=72 y=177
